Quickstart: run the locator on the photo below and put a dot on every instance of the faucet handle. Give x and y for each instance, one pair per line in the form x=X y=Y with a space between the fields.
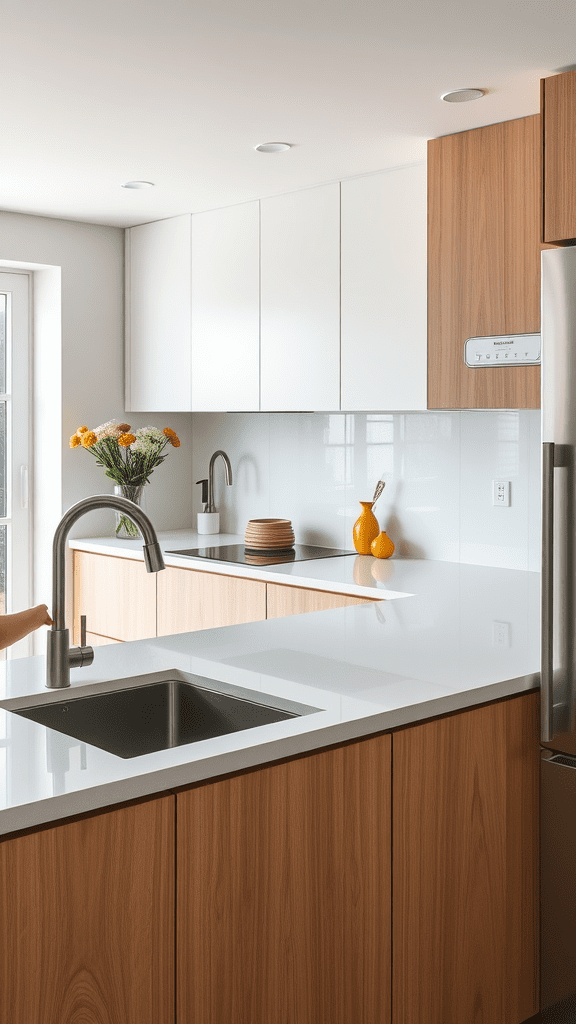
x=82 y=631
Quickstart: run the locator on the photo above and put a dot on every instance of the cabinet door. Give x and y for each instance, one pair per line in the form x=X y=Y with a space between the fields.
x=559 y=151
x=158 y=358
x=284 y=600
x=190 y=600
x=284 y=892
x=300 y=300
x=226 y=309
x=465 y=854
x=87 y=923
x=117 y=596
x=384 y=290
x=483 y=261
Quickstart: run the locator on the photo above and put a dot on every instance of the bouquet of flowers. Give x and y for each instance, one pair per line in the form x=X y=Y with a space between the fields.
x=128 y=459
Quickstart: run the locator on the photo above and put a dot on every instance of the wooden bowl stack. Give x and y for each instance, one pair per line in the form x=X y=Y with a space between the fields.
x=269 y=535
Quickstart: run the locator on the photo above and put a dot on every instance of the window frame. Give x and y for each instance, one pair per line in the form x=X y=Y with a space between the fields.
x=17 y=285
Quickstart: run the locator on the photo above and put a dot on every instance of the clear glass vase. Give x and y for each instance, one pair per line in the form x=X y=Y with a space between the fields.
x=124 y=526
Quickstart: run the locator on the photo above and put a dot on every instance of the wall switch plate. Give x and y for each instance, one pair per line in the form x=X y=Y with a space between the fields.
x=500 y=634
x=501 y=493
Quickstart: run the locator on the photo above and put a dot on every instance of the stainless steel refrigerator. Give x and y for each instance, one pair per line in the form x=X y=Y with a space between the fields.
x=558 y=668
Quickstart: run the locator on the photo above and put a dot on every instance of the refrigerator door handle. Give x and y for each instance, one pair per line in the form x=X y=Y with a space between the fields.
x=546 y=656
x=554 y=456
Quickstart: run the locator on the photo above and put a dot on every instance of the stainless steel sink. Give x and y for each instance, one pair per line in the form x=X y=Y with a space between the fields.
x=139 y=719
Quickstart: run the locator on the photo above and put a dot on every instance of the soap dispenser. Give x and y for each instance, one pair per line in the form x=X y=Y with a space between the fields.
x=207 y=522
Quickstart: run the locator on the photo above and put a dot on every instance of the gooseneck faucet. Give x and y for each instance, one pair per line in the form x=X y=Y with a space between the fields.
x=60 y=657
x=228 y=474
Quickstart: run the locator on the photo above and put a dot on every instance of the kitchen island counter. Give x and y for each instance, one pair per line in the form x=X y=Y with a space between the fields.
x=469 y=635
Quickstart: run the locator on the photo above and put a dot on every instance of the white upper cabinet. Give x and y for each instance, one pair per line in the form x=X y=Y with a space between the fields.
x=225 y=309
x=384 y=289
x=158 y=357
x=300 y=300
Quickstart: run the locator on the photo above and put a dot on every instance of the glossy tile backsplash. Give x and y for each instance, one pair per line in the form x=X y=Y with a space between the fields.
x=314 y=468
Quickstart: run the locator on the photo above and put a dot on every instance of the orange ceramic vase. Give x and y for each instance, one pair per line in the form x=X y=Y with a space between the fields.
x=366 y=529
x=382 y=546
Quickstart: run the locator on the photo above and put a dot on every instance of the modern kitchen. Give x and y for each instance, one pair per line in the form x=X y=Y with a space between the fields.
x=286 y=402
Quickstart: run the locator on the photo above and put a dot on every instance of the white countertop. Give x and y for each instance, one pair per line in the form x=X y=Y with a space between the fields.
x=361 y=575
x=366 y=668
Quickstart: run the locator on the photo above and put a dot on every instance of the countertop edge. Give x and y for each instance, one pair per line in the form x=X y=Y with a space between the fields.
x=57 y=808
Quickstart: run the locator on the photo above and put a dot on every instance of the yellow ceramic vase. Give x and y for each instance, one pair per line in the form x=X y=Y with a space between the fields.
x=382 y=546
x=366 y=528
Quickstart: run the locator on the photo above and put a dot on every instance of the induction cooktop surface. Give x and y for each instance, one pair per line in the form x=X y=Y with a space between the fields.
x=245 y=556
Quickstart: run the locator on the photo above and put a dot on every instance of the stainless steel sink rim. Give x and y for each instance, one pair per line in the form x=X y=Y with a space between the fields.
x=178 y=708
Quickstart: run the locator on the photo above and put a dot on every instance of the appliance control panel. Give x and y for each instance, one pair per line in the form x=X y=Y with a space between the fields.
x=503 y=350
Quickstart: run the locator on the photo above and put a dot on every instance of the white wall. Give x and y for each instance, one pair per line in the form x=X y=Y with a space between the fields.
x=314 y=468
x=79 y=363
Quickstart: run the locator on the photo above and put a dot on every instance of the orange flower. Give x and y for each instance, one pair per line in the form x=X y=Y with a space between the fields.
x=74 y=441
x=126 y=439
x=174 y=440
x=169 y=432
x=123 y=428
x=88 y=439
x=82 y=430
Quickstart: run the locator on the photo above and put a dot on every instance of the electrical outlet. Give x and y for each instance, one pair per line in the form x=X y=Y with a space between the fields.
x=500 y=634
x=501 y=493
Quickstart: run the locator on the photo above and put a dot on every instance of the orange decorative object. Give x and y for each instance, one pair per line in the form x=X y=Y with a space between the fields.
x=366 y=528
x=382 y=546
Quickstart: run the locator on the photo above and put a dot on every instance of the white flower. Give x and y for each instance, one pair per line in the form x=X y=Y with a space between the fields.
x=108 y=429
x=148 y=440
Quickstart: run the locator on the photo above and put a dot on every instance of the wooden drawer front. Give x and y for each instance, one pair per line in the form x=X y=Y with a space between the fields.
x=190 y=600
x=95 y=640
x=285 y=600
x=284 y=892
x=465 y=855
x=117 y=596
x=87 y=923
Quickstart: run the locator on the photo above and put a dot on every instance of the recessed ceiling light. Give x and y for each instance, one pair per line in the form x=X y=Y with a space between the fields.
x=137 y=184
x=272 y=147
x=462 y=95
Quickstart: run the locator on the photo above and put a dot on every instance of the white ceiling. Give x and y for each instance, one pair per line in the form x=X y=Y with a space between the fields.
x=97 y=92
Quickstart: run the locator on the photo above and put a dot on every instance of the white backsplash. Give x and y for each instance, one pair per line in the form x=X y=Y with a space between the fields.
x=314 y=468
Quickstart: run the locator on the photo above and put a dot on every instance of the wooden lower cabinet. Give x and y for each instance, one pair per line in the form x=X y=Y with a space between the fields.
x=117 y=596
x=122 y=601
x=465 y=856
x=87 y=922
x=391 y=880
x=285 y=600
x=284 y=892
x=189 y=599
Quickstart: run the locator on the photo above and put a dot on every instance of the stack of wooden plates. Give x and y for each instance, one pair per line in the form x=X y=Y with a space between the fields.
x=269 y=535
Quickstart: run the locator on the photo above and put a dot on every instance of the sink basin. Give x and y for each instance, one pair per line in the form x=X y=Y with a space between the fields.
x=170 y=712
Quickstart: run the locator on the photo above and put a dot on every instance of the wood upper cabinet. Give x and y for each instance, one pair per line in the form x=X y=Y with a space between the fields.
x=158 y=281
x=465 y=855
x=300 y=300
x=558 y=110
x=226 y=309
x=117 y=596
x=87 y=923
x=483 y=261
x=189 y=599
x=284 y=892
x=384 y=313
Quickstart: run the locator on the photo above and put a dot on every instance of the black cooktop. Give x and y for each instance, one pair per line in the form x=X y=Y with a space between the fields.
x=246 y=556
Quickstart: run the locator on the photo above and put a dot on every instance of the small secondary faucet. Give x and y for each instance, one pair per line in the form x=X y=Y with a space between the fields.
x=60 y=657
x=228 y=474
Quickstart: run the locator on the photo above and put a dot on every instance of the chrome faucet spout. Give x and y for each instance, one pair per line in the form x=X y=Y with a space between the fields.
x=60 y=657
x=227 y=474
